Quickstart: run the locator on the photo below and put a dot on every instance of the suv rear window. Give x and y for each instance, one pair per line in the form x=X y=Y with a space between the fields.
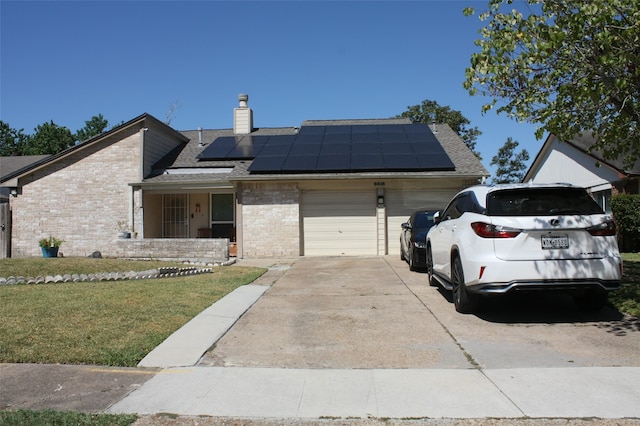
x=541 y=202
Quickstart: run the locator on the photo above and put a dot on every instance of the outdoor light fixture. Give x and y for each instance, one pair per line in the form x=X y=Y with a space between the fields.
x=380 y=200
x=14 y=192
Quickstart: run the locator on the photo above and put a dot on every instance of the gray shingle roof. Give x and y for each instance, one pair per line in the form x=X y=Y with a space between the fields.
x=466 y=163
x=13 y=164
x=585 y=141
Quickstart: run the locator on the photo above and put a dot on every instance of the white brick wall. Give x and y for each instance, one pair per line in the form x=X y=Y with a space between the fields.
x=78 y=199
x=270 y=219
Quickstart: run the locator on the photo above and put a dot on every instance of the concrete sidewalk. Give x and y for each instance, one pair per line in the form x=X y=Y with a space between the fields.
x=304 y=393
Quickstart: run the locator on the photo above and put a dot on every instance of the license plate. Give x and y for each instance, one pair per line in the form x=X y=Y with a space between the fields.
x=550 y=242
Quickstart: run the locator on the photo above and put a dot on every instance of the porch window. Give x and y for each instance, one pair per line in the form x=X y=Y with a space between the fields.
x=222 y=216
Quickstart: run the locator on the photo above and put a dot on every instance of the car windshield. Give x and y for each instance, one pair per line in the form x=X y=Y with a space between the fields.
x=541 y=202
x=423 y=220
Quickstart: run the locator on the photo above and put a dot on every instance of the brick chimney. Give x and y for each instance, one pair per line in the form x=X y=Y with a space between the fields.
x=242 y=117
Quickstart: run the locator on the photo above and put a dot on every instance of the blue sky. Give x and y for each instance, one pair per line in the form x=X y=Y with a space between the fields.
x=297 y=60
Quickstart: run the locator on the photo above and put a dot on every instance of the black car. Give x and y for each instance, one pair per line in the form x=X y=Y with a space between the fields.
x=413 y=239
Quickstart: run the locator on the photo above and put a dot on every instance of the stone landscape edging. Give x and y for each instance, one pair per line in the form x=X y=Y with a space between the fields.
x=164 y=272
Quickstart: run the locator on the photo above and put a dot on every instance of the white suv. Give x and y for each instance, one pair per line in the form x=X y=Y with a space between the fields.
x=498 y=239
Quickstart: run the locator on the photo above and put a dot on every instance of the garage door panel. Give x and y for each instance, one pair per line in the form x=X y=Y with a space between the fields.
x=339 y=223
x=400 y=205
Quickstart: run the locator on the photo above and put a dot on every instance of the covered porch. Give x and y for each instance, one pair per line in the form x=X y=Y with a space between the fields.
x=177 y=222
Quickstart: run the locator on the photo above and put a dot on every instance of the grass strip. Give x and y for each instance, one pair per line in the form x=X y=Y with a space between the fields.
x=63 y=418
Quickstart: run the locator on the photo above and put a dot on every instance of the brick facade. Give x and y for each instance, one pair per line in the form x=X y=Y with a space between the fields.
x=79 y=199
x=270 y=219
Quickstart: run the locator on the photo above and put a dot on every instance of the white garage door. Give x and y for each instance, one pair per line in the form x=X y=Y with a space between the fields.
x=339 y=223
x=400 y=204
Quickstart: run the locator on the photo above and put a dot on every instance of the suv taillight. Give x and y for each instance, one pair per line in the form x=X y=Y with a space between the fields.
x=487 y=230
x=605 y=229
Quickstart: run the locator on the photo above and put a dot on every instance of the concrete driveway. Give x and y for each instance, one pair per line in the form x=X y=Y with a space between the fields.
x=372 y=312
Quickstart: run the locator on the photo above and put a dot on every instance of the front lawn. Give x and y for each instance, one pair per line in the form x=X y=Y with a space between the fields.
x=105 y=323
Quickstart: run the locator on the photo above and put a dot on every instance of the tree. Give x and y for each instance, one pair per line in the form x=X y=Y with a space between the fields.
x=172 y=109
x=49 y=138
x=571 y=66
x=12 y=141
x=511 y=166
x=92 y=128
x=429 y=112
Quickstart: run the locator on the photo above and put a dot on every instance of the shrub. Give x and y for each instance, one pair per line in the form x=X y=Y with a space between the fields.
x=626 y=211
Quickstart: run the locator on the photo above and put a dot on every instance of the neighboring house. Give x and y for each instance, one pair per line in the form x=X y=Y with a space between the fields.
x=10 y=165
x=571 y=162
x=332 y=188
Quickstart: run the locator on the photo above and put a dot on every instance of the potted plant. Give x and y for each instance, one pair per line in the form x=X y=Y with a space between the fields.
x=50 y=246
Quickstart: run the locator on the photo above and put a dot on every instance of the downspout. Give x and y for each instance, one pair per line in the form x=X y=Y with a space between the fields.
x=132 y=204
x=239 y=239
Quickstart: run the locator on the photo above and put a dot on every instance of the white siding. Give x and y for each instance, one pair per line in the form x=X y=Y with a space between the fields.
x=564 y=163
x=339 y=223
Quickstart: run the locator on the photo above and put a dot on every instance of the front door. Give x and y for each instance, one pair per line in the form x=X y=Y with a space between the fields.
x=175 y=216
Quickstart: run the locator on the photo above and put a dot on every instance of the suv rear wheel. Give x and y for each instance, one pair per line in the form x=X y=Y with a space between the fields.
x=463 y=301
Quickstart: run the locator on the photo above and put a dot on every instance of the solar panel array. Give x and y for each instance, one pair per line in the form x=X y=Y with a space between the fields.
x=343 y=148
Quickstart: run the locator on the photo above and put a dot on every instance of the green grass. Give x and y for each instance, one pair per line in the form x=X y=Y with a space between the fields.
x=63 y=418
x=627 y=299
x=105 y=323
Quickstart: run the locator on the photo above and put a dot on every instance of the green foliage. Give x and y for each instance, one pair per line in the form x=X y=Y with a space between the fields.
x=511 y=166
x=12 y=141
x=49 y=138
x=63 y=418
x=430 y=111
x=92 y=128
x=625 y=208
x=570 y=66
x=50 y=242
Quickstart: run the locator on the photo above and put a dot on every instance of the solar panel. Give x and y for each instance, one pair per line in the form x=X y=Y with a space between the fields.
x=401 y=162
x=333 y=163
x=305 y=149
x=367 y=162
x=300 y=163
x=270 y=150
x=341 y=148
x=334 y=148
x=272 y=164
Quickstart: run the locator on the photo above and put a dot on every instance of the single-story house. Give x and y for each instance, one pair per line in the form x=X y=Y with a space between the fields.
x=327 y=187
x=573 y=162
